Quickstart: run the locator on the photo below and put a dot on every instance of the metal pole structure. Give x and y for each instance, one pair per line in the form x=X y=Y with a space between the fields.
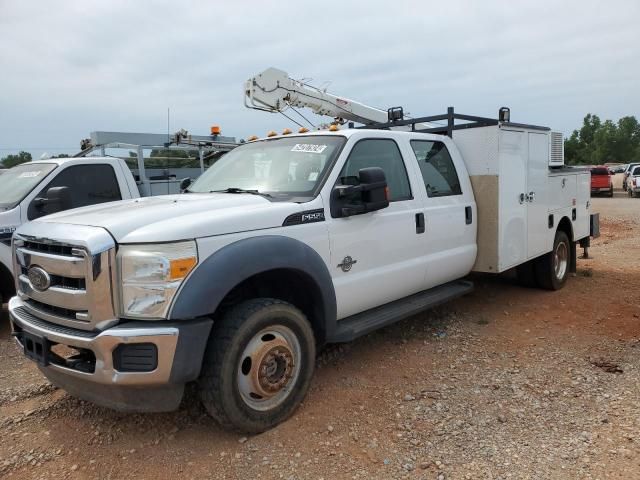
x=450 y=122
x=201 y=154
x=146 y=188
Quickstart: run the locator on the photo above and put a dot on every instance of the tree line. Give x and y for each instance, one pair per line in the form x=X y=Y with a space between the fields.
x=598 y=142
x=22 y=157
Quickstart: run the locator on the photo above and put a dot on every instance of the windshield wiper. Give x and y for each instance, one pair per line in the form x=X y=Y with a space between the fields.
x=241 y=190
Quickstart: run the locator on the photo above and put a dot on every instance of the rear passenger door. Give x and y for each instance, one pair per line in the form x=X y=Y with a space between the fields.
x=377 y=257
x=449 y=239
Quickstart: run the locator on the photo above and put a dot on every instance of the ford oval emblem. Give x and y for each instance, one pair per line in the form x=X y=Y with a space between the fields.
x=39 y=278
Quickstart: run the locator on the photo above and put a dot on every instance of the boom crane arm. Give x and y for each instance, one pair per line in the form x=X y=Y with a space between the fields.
x=274 y=91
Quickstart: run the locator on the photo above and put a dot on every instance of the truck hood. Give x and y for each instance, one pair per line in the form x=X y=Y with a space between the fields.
x=179 y=217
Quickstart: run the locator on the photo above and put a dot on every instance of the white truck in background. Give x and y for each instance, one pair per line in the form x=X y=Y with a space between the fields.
x=285 y=244
x=35 y=189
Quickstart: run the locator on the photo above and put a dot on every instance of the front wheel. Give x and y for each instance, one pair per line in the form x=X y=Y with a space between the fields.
x=258 y=365
x=552 y=269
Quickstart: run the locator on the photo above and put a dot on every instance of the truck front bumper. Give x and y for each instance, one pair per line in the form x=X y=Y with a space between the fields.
x=134 y=366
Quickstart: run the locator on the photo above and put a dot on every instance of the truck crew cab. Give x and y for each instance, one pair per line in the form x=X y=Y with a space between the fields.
x=283 y=245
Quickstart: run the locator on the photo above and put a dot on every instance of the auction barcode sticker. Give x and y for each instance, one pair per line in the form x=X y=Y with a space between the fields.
x=29 y=174
x=305 y=147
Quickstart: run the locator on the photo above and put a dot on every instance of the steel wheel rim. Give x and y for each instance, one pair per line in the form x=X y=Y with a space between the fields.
x=560 y=260
x=269 y=367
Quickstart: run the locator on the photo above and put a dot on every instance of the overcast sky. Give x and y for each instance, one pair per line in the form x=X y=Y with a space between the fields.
x=71 y=67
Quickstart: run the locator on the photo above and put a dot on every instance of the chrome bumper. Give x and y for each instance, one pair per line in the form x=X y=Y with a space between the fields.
x=180 y=347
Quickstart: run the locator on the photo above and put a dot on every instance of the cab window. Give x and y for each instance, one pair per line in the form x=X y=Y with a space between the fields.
x=88 y=185
x=383 y=153
x=437 y=168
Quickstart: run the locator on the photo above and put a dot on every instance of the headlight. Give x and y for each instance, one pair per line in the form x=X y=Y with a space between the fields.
x=150 y=275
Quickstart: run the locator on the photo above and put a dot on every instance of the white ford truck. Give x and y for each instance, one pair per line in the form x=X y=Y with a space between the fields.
x=35 y=189
x=43 y=187
x=285 y=244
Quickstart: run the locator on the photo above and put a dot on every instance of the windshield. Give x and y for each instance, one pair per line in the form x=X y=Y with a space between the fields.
x=17 y=182
x=282 y=167
x=635 y=172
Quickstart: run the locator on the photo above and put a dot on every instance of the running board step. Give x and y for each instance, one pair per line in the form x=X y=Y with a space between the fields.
x=360 y=324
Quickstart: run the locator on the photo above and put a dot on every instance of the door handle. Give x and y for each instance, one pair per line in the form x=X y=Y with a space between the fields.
x=420 y=228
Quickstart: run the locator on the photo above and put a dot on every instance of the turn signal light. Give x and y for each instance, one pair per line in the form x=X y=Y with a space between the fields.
x=303 y=130
x=333 y=127
x=181 y=267
x=252 y=138
x=286 y=131
x=215 y=129
x=271 y=134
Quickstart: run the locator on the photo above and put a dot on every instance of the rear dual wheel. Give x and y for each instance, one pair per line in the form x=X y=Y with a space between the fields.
x=549 y=271
x=552 y=269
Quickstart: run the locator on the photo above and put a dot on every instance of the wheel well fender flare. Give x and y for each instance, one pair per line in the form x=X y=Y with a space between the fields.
x=566 y=226
x=217 y=275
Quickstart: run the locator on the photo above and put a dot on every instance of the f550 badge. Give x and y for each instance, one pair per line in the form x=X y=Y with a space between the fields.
x=313 y=217
x=310 y=216
x=6 y=232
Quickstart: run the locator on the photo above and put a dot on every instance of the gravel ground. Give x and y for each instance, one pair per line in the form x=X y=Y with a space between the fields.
x=505 y=383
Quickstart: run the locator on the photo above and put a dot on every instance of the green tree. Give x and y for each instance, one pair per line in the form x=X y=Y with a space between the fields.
x=13 y=160
x=598 y=142
x=62 y=155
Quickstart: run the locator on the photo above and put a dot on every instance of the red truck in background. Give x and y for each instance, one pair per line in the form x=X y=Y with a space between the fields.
x=601 y=181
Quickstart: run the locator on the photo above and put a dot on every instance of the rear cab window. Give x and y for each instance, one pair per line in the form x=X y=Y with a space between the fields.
x=437 y=168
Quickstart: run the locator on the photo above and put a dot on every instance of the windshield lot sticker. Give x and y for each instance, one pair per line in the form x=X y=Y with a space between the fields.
x=29 y=174
x=308 y=148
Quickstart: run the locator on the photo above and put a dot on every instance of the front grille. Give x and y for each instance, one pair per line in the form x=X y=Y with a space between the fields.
x=63 y=282
x=79 y=291
x=48 y=248
x=53 y=310
x=24 y=314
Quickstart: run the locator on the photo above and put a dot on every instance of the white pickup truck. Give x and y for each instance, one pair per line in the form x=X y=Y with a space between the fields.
x=285 y=244
x=35 y=189
x=39 y=188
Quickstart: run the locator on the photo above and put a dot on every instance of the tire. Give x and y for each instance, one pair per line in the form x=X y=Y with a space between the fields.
x=266 y=333
x=526 y=275
x=630 y=193
x=611 y=193
x=552 y=269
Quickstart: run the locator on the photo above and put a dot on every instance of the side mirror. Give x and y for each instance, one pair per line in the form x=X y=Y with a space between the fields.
x=185 y=183
x=57 y=199
x=369 y=195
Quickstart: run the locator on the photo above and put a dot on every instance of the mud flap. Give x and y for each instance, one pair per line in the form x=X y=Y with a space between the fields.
x=573 y=268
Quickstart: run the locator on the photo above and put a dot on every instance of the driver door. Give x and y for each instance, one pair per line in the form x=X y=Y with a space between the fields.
x=377 y=257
